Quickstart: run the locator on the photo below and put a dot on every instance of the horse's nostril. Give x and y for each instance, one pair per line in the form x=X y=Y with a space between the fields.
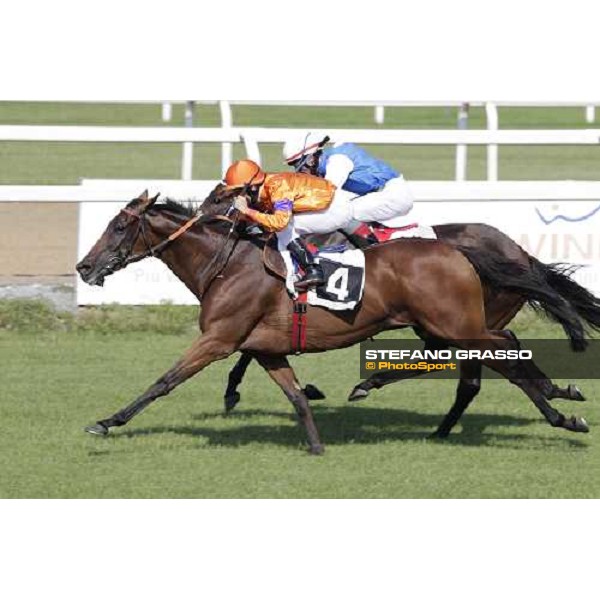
x=83 y=267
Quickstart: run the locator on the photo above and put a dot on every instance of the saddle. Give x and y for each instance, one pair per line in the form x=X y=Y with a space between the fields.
x=272 y=259
x=343 y=269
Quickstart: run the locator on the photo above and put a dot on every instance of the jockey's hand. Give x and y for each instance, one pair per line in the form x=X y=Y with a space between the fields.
x=241 y=204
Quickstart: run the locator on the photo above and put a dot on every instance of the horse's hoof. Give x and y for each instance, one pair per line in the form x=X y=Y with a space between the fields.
x=358 y=393
x=576 y=424
x=317 y=450
x=97 y=429
x=231 y=401
x=575 y=393
x=312 y=392
x=438 y=435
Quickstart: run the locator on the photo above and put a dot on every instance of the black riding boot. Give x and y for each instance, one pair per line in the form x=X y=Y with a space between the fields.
x=313 y=273
x=359 y=241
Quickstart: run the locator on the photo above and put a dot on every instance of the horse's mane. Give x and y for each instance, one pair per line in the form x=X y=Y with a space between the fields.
x=186 y=209
x=191 y=209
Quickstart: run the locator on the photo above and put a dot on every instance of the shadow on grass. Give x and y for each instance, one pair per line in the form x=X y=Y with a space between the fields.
x=358 y=425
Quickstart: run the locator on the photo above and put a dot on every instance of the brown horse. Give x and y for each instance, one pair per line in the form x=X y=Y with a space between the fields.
x=500 y=308
x=419 y=283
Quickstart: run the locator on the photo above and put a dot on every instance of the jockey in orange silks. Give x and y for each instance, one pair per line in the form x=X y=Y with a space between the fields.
x=291 y=205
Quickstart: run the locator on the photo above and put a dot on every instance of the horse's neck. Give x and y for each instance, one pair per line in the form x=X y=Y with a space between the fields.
x=189 y=257
x=186 y=255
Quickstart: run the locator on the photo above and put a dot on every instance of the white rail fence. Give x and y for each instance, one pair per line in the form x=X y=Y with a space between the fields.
x=378 y=106
x=491 y=112
x=557 y=221
x=252 y=136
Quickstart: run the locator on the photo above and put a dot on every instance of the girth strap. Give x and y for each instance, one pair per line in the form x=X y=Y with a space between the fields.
x=299 y=323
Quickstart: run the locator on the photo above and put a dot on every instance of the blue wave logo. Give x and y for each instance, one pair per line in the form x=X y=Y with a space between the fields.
x=566 y=218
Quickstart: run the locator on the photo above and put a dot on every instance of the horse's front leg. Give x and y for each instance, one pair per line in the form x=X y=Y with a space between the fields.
x=379 y=380
x=237 y=373
x=468 y=387
x=282 y=373
x=204 y=351
x=232 y=396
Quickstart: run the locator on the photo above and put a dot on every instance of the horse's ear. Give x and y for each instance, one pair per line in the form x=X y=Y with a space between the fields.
x=143 y=202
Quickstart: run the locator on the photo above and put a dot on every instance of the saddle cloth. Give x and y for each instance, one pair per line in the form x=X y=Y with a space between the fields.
x=410 y=230
x=344 y=285
x=344 y=270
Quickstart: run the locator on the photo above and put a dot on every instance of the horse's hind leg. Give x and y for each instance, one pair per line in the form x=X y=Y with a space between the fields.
x=571 y=392
x=549 y=389
x=525 y=375
x=280 y=371
x=468 y=387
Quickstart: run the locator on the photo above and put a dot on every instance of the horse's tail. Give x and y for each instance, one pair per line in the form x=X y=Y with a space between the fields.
x=533 y=284
x=558 y=277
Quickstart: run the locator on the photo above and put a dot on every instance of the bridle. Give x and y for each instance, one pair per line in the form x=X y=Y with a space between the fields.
x=122 y=260
x=155 y=250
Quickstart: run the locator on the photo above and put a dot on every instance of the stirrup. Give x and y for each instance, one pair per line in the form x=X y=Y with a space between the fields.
x=310 y=280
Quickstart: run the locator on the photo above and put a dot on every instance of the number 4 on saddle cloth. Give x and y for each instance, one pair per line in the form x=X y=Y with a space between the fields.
x=344 y=274
x=343 y=271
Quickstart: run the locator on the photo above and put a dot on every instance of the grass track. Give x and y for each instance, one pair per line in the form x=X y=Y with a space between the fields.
x=55 y=383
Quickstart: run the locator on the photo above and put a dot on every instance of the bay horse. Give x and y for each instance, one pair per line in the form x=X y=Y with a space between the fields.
x=501 y=306
x=420 y=283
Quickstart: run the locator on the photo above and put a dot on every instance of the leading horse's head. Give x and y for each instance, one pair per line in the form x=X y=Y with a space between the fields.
x=220 y=200
x=119 y=241
x=125 y=240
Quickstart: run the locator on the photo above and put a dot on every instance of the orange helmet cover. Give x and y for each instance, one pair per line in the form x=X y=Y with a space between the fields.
x=244 y=172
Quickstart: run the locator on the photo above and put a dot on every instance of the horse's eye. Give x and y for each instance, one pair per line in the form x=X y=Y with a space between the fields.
x=121 y=227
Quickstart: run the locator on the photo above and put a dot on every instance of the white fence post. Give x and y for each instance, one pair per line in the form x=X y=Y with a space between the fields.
x=491 y=112
x=590 y=113
x=226 y=147
x=251 y=146
x=379 y=115
x=188 y=147
x=167 y=111
x=460 y=171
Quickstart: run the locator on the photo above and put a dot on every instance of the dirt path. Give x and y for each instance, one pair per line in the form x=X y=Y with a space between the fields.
x=38 y=239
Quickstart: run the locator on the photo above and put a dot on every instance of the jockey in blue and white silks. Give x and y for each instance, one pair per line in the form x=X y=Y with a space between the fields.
x=383 y=196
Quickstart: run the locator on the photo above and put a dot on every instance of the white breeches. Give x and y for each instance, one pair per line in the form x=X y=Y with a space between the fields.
x=337 y=216
x=386 y=206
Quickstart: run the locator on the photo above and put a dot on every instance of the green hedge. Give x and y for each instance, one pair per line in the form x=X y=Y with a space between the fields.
x=39 y=315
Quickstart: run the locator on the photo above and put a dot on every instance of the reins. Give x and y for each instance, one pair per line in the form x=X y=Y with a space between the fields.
x=156 y=250
x=217 y=255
